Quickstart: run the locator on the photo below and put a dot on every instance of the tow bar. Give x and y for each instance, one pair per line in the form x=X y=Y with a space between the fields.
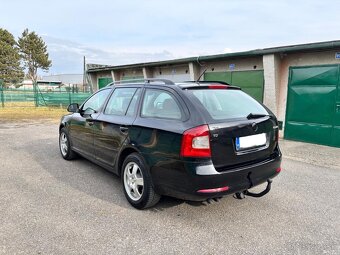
x=243 y=194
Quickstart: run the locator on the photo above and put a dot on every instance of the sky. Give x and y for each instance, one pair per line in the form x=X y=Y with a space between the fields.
x=136 y=31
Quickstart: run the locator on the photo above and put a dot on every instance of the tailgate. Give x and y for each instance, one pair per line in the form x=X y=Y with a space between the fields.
x=242 y=142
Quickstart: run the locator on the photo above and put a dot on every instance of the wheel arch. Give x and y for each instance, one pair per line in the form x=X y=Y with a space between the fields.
x=122 y=156
x=62 y=125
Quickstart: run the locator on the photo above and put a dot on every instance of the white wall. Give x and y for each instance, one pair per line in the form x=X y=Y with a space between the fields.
x=176 y=73
x=271 y=72
x=240 y=64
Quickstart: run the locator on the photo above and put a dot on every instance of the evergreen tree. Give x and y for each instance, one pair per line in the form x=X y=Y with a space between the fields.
x=10 y=69
x=33 y=51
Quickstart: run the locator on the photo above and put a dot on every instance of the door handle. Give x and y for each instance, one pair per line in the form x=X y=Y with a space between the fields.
x=337 y=108
x=90 y=122
x=123 y=129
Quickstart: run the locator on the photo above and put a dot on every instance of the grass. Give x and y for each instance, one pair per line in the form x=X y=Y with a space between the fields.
x=27 y=112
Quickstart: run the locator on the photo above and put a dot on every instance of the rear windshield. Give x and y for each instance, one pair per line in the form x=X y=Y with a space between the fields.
x=227 y=104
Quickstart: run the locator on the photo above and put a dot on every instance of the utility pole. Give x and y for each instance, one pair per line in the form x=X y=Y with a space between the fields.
x=84 y=73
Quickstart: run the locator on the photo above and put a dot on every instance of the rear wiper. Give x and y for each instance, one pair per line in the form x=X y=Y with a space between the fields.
x=255 y=115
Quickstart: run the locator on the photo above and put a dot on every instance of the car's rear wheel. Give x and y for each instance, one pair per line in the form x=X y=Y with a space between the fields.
x=65 y=145
x=137 y=183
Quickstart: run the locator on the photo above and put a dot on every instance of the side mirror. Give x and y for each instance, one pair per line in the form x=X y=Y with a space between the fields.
x=73 y=107
x=87 y=112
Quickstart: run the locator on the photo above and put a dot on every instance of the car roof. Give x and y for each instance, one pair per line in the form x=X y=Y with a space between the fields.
x=168 y=83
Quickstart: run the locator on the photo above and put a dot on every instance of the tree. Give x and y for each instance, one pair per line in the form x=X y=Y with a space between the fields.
x=10 y=69
x=33 y=51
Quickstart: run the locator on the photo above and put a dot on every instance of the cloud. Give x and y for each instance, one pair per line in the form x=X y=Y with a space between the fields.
x=68 y=55
x=227 y=50
x=120 y=32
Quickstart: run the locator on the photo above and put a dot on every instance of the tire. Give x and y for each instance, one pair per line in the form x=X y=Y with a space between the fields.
x=137 y=183
x=65 y=145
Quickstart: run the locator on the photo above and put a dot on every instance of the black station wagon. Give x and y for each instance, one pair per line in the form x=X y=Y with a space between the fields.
x=190 y=140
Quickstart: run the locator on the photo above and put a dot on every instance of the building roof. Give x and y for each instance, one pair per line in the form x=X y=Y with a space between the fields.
x=319 y=46
x=65 y=78
x=30 y=82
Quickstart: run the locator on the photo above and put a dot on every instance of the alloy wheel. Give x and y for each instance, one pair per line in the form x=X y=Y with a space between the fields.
x=133 y=181
x=63 y=144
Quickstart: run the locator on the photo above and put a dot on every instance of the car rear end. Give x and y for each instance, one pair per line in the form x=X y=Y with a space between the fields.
x=235 y=149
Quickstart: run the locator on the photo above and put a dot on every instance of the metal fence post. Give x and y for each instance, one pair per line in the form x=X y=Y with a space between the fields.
x=36 y=100
x=69 y=93
x=2 y=94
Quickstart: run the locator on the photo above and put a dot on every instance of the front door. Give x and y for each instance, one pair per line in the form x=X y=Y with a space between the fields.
x=81 y=126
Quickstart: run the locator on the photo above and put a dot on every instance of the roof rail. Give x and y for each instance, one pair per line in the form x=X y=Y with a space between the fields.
x=221 y=82
x=166 y=81
x=127 y=81
x=149 y=80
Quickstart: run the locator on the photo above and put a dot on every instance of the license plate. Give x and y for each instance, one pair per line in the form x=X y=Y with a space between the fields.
x=250 y=141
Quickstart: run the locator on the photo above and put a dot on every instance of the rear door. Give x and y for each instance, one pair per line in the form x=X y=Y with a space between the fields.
x=111 y=128
x=237 y=138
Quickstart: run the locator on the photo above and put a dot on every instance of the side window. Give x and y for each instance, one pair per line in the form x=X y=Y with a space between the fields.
x=160 y=104
x=133 y=105
x=120 y=101
x=96 y=101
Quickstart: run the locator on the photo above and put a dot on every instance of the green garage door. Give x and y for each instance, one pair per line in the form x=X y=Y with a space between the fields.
x=313 y=105
x=102 y=82
x=251 y=82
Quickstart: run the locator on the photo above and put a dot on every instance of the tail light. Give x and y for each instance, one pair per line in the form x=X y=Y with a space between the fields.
x=196 y=142
x=217 y=86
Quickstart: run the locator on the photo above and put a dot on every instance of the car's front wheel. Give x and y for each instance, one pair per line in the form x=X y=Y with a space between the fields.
x=137 y=183
x=65 y=145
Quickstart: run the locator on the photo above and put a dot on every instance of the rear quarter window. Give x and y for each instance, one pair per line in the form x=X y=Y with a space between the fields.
x=227 y=104
x=160 y=104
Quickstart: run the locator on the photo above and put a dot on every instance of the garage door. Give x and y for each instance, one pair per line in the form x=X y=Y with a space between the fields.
x=174 y=77
x=102 y=82
x=251 y=82
x=313 y=105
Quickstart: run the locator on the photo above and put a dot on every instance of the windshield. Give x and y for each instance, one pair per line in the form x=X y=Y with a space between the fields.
x=227 y=104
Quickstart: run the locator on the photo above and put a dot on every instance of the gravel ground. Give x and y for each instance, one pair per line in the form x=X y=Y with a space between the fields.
x=52 y=206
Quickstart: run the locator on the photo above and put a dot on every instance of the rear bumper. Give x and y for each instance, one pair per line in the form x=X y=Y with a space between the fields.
x=183 y=180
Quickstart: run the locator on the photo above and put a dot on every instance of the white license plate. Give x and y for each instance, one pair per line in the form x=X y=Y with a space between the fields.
x=250 y=141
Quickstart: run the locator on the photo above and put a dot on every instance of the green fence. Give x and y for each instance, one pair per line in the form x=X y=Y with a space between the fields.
x=2 y=94
x=40 y=96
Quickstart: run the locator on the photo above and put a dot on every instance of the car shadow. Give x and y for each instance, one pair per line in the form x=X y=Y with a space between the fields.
x=89 y=178
x=79 y=174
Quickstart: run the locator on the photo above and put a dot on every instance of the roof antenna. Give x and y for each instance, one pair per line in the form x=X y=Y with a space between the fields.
x=198 y=79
